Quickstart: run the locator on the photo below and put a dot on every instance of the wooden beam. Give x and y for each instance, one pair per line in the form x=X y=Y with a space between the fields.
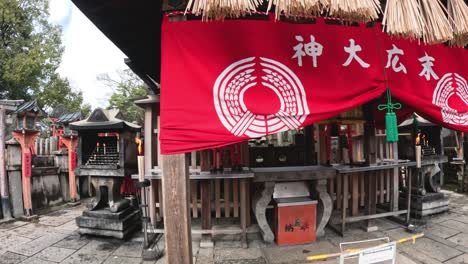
x=353 y=219
x=176 y=186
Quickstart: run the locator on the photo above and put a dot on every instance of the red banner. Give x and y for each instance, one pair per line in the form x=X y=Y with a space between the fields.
x=432 y=79
x=225 y=82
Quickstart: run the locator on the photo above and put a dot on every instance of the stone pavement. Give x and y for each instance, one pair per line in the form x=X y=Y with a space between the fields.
x=53 y=239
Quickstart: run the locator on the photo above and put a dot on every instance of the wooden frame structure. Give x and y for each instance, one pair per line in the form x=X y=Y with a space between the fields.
x=355 y=189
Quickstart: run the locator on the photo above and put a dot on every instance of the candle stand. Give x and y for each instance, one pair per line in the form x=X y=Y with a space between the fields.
x=151 y=250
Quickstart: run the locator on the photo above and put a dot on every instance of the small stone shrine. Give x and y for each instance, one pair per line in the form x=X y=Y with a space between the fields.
x=426 y=198
x=106 y=154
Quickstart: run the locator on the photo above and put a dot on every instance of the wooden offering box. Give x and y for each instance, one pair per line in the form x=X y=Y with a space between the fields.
x=295 y=220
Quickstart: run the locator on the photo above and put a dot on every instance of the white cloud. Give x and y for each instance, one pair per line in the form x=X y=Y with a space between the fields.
x=88 y=53
x=60 y=11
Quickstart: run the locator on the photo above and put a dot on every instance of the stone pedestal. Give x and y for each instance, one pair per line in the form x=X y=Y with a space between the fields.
x=426 y=205
x=103 y=222
x=109 y=214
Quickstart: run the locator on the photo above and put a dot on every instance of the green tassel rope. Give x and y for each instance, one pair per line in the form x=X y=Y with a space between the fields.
x=391 y=124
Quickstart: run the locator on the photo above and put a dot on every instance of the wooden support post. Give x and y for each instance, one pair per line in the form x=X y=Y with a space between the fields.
x=339 y=188
x=156 y=192
x=149 y=152
x=194 y=191
x=227 y=198
x=218 y=198
x=322 y=145
x=3 y=178
x=243 y=210
x=362 y=187
x=371 y=199
x=344 y=203
x=395 y=182
x=309 y=144
x=248 y=220
x=388 y=185
x=175 y=186
x=235 y=197
x=205 y=164
x=205 y=194
x=355 y=194
x=382 y=186
x=160 y=198
x=370 y=155
x=369 y=135
x=205 y=197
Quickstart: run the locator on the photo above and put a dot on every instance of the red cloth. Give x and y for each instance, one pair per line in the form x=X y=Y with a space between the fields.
x=127 y=186
x=446 y=91
x=225 y=82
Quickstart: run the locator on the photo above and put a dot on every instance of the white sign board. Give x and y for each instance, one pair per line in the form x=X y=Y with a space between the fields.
x=379 y=254
x=386 y=252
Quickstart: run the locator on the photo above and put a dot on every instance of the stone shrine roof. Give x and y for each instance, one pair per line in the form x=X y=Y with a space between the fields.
x=421 y=122
x=69 y=117
x=31 y=106
x=103 y=119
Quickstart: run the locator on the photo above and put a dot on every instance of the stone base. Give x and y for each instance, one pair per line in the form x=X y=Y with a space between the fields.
x=151 y=254
x=105 y=223
x=426 y=205
x=29 y=218
x=206 y=243
x=73 y=204
x=6 y=221
x=369 y=229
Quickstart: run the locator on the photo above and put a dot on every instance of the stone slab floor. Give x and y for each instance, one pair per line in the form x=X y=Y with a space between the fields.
x=53 y=239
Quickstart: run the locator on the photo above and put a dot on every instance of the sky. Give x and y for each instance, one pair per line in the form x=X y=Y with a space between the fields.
x=88 y=53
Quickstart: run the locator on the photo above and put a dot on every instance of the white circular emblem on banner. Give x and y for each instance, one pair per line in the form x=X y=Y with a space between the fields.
x=451 y=87
x=259 y=96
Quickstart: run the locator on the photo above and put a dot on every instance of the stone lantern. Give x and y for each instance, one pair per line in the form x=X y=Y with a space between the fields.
x=69 y=138
x=26 y=132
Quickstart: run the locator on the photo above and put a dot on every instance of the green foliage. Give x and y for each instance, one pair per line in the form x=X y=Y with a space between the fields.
x=126 y=87
x=30 y=53
x=59 y=92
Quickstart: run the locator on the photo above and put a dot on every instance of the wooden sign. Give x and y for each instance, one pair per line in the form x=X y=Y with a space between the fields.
x=27 y=164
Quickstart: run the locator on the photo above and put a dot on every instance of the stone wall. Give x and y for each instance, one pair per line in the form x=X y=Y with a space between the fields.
x=49 y=181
